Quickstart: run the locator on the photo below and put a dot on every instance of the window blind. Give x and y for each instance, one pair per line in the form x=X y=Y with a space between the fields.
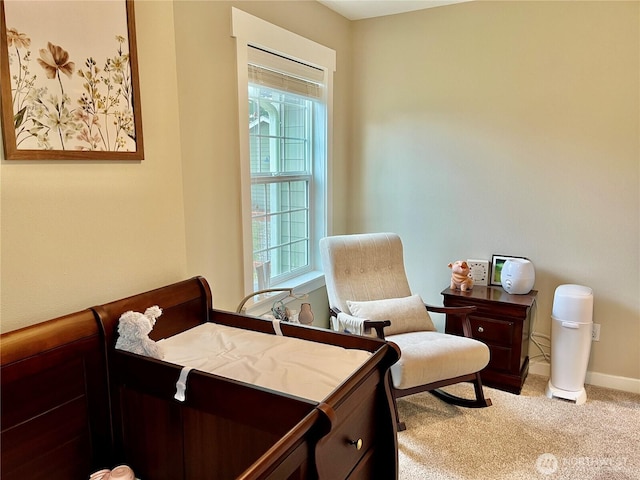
x=275 y=71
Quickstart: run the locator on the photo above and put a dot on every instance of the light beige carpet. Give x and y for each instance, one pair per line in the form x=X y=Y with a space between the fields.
x=526 y=436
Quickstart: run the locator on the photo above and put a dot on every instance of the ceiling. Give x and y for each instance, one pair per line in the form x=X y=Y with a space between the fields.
x=359 y=9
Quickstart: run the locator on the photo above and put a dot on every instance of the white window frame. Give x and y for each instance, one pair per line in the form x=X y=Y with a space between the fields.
x=250 y=30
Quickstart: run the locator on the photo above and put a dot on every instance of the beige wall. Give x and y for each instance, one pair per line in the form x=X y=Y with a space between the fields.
x=508 y=128
x=75 y=234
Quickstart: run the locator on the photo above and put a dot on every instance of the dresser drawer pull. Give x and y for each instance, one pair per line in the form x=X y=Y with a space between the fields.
x=356 y=443
x=480 y=329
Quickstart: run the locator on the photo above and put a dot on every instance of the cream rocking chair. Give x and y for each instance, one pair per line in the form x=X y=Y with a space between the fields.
x=368 y=291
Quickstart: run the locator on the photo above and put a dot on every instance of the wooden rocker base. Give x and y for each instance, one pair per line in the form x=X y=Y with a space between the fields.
x=479 y=402
x=459 y=401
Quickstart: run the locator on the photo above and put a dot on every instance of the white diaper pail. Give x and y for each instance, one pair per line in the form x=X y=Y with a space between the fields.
x=571 y=334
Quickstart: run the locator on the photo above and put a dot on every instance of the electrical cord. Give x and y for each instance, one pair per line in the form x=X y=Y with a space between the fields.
x=535 y=336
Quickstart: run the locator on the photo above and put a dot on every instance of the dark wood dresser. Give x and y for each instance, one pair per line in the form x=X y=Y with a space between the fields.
x=503 y=322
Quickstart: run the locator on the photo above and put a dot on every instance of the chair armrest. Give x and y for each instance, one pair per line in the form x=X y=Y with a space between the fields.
x=367 y=325
x=378 y=326
x=462 y=313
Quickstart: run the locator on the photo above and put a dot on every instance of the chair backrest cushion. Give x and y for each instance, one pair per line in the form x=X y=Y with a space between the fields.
x=407 y=314
x=364 y=268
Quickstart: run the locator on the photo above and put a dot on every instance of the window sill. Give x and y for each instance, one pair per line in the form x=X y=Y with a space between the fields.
x=302 y=286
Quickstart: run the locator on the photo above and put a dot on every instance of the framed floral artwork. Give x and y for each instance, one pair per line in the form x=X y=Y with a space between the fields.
x=69 y=80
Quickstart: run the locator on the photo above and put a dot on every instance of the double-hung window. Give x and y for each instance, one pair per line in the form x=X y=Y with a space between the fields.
x=285 y=92
x=286 y=136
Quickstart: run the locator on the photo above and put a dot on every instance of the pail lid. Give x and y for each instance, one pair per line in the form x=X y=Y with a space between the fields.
x=573 y=303
x=571 y=290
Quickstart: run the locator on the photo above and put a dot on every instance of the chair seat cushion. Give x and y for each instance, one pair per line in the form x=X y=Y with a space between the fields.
x=428 y=357
x=407 y=314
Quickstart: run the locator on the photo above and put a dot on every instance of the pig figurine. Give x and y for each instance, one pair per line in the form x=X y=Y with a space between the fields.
x=460 y=277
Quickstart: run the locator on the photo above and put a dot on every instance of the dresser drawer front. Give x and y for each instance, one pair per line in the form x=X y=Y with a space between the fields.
x=338 y=453
x=489 y=330
x=500 y=358
x=366 y=469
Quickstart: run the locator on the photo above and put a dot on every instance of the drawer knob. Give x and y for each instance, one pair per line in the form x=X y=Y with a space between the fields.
x=356 y=443
x=480 y=329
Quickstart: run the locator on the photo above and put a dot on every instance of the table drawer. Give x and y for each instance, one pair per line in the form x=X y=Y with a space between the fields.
x=500 y=358
x=490 y=330
x=366 y=469
x=337 y=454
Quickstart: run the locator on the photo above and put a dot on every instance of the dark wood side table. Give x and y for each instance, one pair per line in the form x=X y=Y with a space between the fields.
x=503 y=322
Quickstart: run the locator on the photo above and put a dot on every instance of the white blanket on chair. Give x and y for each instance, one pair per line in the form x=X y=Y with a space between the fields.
x=350 y=324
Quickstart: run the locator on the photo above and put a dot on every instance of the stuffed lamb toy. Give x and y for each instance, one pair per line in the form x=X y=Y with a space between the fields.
x=133 y=331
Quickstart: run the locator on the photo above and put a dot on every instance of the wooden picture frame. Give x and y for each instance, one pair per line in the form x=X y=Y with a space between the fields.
x=497 y=262
x=69 y=81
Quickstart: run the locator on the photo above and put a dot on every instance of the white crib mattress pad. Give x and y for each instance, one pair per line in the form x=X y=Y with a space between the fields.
x=289 y=365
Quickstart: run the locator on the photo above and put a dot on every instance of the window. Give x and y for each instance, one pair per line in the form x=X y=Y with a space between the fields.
x=284 y=92
x=286 y=139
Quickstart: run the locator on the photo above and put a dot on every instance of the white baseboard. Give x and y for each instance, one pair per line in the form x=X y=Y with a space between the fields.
x=615 y=382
